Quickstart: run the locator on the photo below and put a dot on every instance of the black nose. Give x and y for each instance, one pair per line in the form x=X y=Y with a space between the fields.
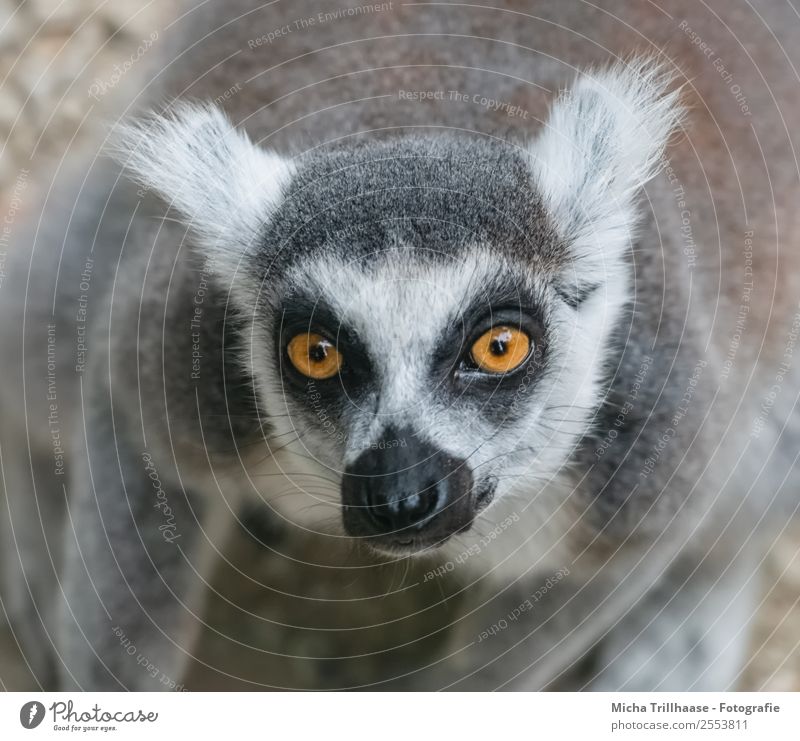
x=407 y=491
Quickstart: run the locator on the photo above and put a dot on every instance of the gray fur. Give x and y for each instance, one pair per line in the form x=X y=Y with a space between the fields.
x=396 y=218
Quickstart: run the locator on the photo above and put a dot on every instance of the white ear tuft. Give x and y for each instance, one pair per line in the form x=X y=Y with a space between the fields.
x=604 y=139
x=223 y=185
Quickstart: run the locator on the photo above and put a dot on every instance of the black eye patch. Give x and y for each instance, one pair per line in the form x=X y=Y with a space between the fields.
x=494 y=396
x=301 y=315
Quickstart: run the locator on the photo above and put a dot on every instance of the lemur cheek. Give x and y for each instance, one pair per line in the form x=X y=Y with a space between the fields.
x=485 y=492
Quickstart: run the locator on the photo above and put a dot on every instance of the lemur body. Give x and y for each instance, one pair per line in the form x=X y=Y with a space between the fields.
x=369 y=189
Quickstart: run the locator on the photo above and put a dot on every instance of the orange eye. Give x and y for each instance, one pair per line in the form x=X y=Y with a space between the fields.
x=501 y=349
x=314 y=355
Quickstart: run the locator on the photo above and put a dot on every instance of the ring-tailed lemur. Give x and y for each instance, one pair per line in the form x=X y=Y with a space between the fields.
x=360 y=252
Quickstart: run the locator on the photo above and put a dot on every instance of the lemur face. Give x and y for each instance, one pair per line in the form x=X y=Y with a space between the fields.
x=428 y=317
x=418 y=342
x=424 y=377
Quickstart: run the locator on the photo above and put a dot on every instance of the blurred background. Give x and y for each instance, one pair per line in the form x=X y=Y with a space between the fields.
x=61 y=62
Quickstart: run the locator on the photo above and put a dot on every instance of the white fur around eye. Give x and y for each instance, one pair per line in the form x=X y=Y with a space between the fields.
x=222 y=184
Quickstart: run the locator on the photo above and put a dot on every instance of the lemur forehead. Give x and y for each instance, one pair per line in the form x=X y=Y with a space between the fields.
x=395 y=294
x=432 y=195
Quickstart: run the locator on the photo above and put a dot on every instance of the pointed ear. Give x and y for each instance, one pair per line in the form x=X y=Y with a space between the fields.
x=222 y=184
x=604 y=139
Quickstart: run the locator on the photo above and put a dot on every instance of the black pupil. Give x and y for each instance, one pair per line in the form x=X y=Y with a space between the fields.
x=498 y=345
x=318 y=352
